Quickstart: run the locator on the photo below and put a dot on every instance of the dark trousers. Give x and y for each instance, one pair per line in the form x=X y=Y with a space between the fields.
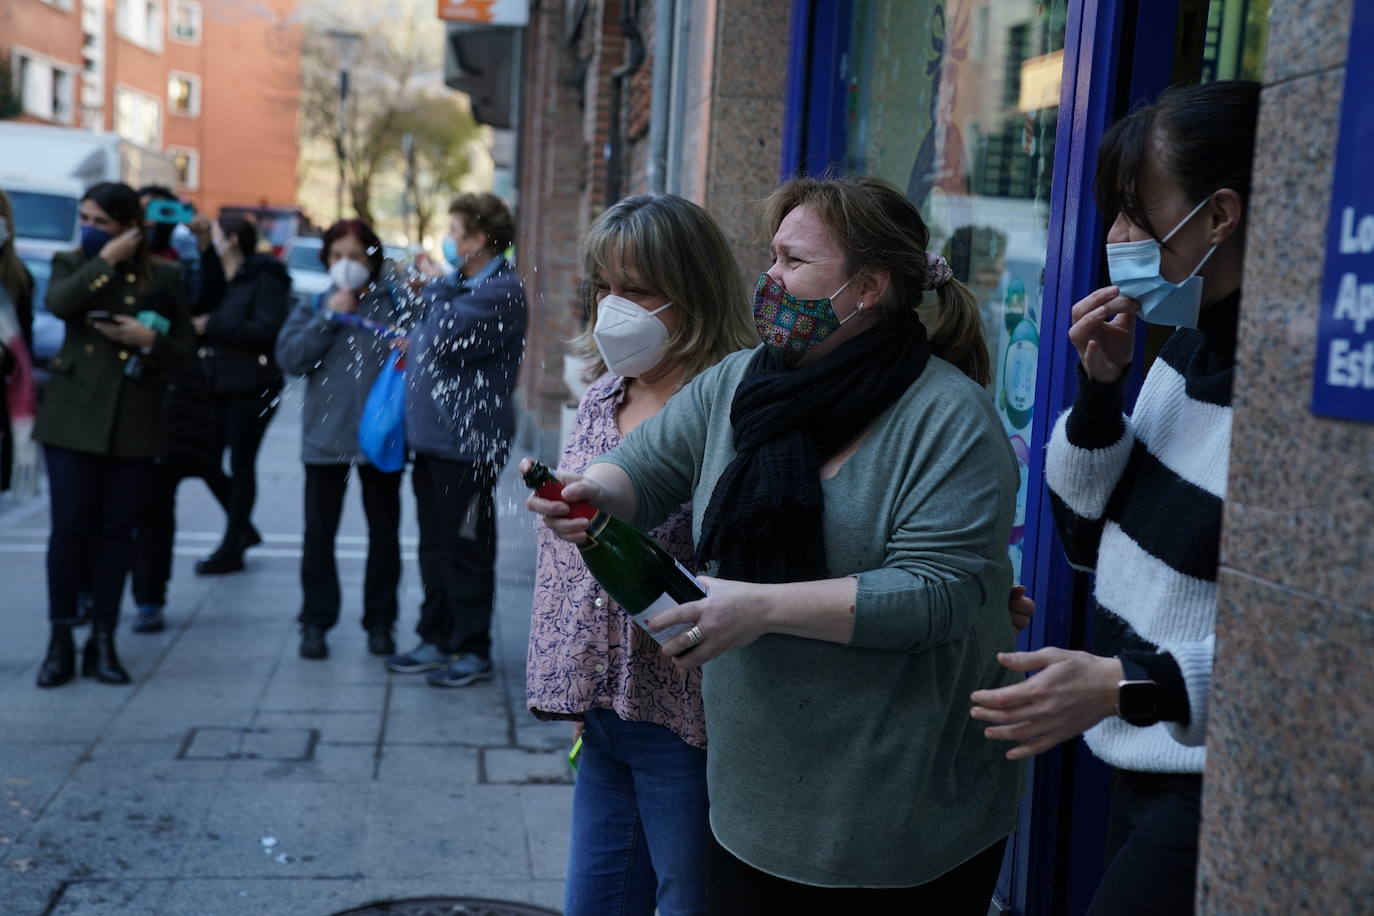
x=325 y=485
x=241 y=420
x=736 y=889
x=456 y=510
x=157 y=522
x=94 y=502
x=1152 y=836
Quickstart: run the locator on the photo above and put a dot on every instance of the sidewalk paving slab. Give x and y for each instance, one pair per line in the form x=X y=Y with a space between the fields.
x=155 y=799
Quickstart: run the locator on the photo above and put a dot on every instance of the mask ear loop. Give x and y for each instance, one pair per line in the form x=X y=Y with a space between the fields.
x=1183 y=222
x=1209 y=253
x=831 y=299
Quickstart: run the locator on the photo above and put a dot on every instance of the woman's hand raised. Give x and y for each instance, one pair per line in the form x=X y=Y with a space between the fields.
x=121 y=247
x=342 y=302
x=1103 y=333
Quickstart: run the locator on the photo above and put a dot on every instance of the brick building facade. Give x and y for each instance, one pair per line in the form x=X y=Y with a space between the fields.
x=588 y=137
x=214 y=85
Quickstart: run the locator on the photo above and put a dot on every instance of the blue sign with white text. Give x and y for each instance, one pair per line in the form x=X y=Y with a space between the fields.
x=1343 y=383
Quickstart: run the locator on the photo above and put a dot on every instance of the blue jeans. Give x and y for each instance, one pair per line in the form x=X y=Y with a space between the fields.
x=639 y=826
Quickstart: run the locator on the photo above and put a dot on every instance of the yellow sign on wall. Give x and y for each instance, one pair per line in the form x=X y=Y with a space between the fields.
x=486 y=12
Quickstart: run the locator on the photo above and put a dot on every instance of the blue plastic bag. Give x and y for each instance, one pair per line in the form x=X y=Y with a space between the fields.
x=382 y=429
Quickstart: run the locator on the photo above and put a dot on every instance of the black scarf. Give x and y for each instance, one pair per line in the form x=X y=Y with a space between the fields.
x=764 y=520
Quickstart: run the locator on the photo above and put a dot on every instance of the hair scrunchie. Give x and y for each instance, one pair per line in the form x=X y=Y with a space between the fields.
x=938 y=272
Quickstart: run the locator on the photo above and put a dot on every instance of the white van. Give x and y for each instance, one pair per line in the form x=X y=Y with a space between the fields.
x=45 y=222
x=45 y=213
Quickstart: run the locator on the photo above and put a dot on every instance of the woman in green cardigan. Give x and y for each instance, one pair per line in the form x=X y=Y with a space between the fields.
x=103 y=417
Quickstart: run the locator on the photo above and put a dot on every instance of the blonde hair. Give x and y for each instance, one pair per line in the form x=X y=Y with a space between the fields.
x=13 y=275
x=679 y=252
x=876 y=226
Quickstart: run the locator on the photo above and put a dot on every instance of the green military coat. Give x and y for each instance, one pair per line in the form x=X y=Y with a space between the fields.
x=90 y=404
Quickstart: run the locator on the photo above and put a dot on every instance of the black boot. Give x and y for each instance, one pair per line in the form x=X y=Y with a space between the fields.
x=60 y=664
x=223 y=560
x=312 y=642
x=100 y=660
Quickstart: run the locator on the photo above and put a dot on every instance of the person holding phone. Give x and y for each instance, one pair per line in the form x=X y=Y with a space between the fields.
x=103 y=417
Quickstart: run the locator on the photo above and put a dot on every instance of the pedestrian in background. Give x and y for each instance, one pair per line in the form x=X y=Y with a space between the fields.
x=238 y=333
x=1138 y=499
x=337 y=343
x=464 y=357
x=193 y=446
x=852 y=496
x=18 y=395
x=103 y=417
x=664 y=301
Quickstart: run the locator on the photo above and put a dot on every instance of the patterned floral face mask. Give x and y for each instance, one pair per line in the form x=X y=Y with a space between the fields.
x=789 y=326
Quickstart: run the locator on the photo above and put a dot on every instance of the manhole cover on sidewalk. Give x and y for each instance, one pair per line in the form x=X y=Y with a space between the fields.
x=448 y=906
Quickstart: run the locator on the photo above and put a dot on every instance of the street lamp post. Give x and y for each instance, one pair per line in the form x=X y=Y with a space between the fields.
x=346 y=44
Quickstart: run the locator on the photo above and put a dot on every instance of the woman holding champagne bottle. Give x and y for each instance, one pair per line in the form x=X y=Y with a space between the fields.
x=664 y=301
x=852 y=495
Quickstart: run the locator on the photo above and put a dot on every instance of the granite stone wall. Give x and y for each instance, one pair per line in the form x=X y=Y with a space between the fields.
x=1288 y=803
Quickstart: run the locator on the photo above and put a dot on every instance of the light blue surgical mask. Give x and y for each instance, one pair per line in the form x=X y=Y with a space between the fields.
x=1134 y=269
x=450 y=246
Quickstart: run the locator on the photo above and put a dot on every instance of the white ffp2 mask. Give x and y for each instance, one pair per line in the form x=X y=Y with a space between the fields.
x=349 y=274
x=631 y=339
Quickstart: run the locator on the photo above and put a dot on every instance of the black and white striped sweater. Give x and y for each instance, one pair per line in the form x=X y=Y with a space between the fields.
x=1138 y=501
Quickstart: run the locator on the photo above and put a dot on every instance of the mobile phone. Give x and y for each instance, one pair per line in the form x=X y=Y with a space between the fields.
x=169 y=211
x=99 y=315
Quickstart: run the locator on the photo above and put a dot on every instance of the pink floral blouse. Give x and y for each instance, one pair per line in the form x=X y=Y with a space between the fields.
x=585 y=653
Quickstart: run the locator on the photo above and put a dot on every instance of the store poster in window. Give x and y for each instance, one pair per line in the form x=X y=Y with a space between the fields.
x=957 y=102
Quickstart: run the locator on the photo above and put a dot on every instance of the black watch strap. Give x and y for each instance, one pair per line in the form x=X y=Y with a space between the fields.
x=1132 y=670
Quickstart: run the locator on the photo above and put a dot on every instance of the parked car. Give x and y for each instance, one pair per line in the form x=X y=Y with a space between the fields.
x=308 y=276
x=48 y=329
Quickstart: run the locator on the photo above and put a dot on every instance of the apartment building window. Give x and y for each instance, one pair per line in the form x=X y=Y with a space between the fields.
x=183 y=94
x=138 y=117
x=46 y=88
x=185 y=21
x=187 y=162
x=60 y=4
x=140 y=21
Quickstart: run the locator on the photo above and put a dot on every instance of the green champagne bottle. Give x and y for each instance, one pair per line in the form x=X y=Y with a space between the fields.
x=635 y=571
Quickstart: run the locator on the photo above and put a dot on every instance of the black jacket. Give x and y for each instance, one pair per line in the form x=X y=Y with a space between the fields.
x=239 y=339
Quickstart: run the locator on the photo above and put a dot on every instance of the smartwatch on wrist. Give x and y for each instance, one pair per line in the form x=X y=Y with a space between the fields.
x=1137 y=697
